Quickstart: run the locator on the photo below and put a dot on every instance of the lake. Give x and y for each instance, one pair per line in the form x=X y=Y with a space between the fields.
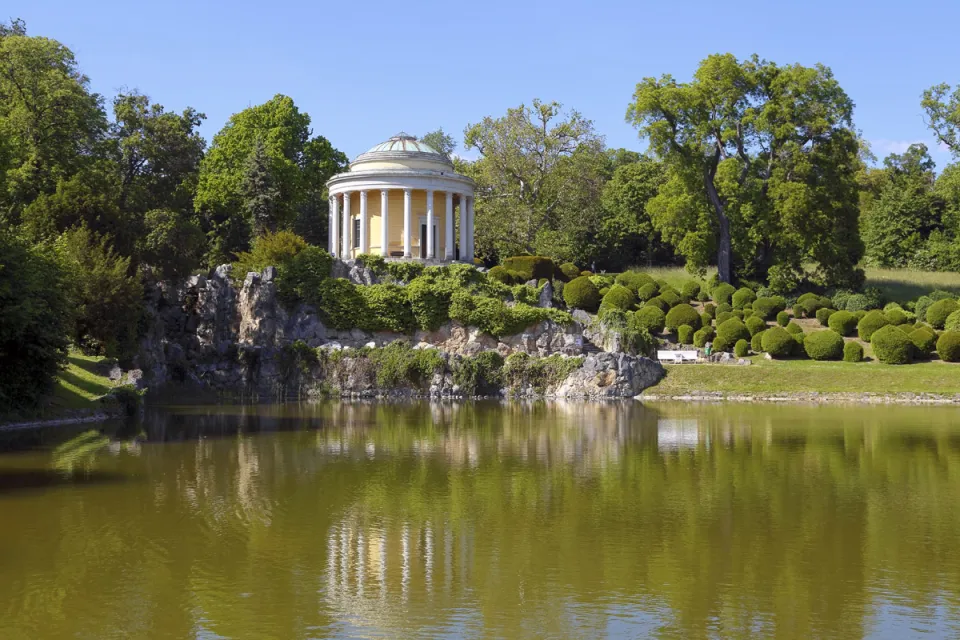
x=487 y=519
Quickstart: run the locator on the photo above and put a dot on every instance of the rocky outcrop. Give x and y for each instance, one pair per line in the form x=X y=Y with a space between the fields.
x=611 y=375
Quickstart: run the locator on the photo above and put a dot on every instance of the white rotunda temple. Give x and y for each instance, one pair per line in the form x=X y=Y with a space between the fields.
x=413 y=217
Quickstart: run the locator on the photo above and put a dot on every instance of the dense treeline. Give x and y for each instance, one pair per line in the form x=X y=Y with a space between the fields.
x=751 y=166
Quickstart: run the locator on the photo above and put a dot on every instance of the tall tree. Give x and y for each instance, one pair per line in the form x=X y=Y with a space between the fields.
x=260 y=193
x=440 y=140
x=627 y=232
x=750 y=138
x=942 y=106
x=539 y=179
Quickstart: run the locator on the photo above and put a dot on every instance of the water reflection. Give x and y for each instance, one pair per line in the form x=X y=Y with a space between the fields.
x=488 y=519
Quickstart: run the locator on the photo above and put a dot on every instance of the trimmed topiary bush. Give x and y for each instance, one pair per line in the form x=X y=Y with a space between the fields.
x=952 y=323
x=530 y=267
x=741 y=349
x=724 y=316
x=948 y=346
x=823 y=345
x=768 y=307
x=580 y=293
x=896 y=317
x=690 y=289
x=635 y=280
x=778 y=342
x=870 y=324
x=920 y=308
x=650 y=318
x=619 y=297
x=756 y=342
x=703 y=336
x=742 y=297
x=723 y=293
x=732 y=330
x=891 y=346
x=794 y=328
x=500 y=274
x=798 y=340
x=671 y=297
x=859 y=314
x=755 y=325
x=710 y=308
x=924 y=341
x=657 y=302
x=852 y=352
x=939 y=311
x=783 y=319
x=680 y=315
x=647 y=291
x=706 y=319
x=823 y=316
x=685 y=334
x=569 y=271
x=723 y=307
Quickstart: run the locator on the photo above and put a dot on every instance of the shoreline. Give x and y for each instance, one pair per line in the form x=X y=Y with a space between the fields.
x=806 y=397
x=97 y=416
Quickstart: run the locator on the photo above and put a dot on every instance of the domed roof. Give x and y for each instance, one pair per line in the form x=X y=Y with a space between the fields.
x=404 y=150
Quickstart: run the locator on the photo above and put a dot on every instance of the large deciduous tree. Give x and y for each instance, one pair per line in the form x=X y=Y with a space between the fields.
x=942 y=107
x=539 y=181
x=770 y=152
x=440 y=140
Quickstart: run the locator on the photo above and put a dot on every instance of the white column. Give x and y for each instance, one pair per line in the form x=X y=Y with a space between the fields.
x=430 y=248
x=346 y=251
x=463 y=227
x=406 y=224
x=384 y=224
x=364 y=245
x=471 y=227
x=448 y=236
x=335 y=226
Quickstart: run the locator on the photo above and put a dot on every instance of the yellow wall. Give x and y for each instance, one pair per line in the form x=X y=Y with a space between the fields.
x=418 y=207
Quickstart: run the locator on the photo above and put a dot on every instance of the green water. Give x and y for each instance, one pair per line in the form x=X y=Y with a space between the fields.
x=486 y=520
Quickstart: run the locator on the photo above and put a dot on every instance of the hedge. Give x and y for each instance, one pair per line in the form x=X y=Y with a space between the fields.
x=756 y=342
x=680 y=315
x=685 y=334
x=722 y=293
x=924 y=341
x=635 y=280
x=755 y=325
x=843 y=322
x=783 y=319
x=823 y=345
x=823 y=316
x=870 y=324
x=580 y=293
x=766 y=307
x=742 y=296
x=852 y=352
x=530 y=267
x=651 y=318
x=706 y=319
x=619 y=297
x=778 y=342
x=948 y=346
x=939 y=311
x=891 y=346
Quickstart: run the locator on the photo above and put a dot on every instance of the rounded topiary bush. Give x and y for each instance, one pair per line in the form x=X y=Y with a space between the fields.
x=635 y=280
x=783 y=319
x=580 y=293
x=742 y=297
x=891 y=346
x=530 y=267
x=671 y=297
x=852 y=352
x=647 y=291
x=603 y=292
x=732 y=330
x=768 y=307
x=657 y=302
x=778 y=342
x=823 y=316
x=685 y=334
x=690 y=289
x=723 y=307
x=794 y=328
x=843 y=322
x=896 y=317
x=870 y=324
x=948 y=346
x=952 y=323
x=682 y=314
x=723 y=316
x=722 y=293
x=756 y=342
x=710 y=308
x=570 y=271
x=500 y=274
x=823 y=345
x=741 y=349
x=706 y=319
x=703 y=336
x=619 y=297
x=650 y=318
x=860 y=302
x=939 y=311
x=859 y=314
x=755 y=325
x=798 y=339
x=924 y=341
x=798 y=311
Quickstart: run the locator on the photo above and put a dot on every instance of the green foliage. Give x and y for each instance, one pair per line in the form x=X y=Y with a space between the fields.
x=722 y=293
x=636 y=280
x=724 y=307
x=685 y=334
x=742 y=297
x=388 y=309
x=778 y=342
x=858 y=302
x=823 y=345
x=702 y=337
x=823 y=316
x=732 y=330
x=710 y=308
x=706 y=319
x=852 y=352
x=581 y=293
x=952 y=323
x=569 y=271
x=404 y=271
x=756 y=342
x=924 y=341
x=481 y=374
x=767 y=307
x=495 y=317
x=397 y=364
x=842 y=322
x=268 y=250
x=923 y=303
x=741 y=349
x=34 y=321
x=173 y=243
x=680 y=315
x=299 y=279
x=634 y=335
x=530 y=267
x=755 y=325
x=939 y=311
x=526 y=295
x=870 y=323
x=690 y=289
x=626 y=230
x=657 y=302
x=948 y=346
x=794 y=328
x=342 y=305
x=647 y=292
x=500 y=274
x=619 y=297
x=783 y=319
x=723 y=316
x=521 y=370
x=650 y=318
x=891 y=346
x=896 y=317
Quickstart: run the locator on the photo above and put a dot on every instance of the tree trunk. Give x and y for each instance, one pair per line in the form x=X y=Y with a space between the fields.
x=724 y=251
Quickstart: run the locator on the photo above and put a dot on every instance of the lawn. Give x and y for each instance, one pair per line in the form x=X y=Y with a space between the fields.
x=805 y=376
x=81 y=384
x=903 y=285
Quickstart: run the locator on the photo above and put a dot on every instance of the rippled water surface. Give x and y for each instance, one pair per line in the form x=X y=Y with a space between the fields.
x=485 y=520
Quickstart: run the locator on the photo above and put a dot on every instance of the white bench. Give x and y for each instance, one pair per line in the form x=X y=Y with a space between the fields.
x=677 y=357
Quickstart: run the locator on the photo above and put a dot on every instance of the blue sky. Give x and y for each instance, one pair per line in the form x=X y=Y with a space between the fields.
x=365 y=70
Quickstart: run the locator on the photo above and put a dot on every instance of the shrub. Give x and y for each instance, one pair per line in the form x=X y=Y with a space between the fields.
x=724 y=316
x=743 y=296
x=342 y=306
x=920 y=308
x=647 y=291
x=861 y=302
x=706 y=319
x=783 y=319
x=948 y=346
x=778 y=342
x=530 y=267
x=404 y=271
x=870 y=323
x=766 y=307
x=680 y=315
x=670 y=297
x=703 y=336
x=650 y=318
x=924 y=341
x=580 y=293
x=939 y=311
x=859 y=315
x=852 y=352
x=710 y=308
x=389 y=308
x=891 y=346
x=500 y=274
x=952 y=323
x=429 y=303
x=823 y=345
x=657 y=302
x=756 y=342
x=703 y=296
x=481 y=374
x=690 y=289
x=173 y=243
x=722 y=293
x=747 y=313
x=268 y=250
x=397 y=364
x=798 y=311
x=300 y=278
x=823 y=316
x=619 y=297
x=521 y=370
x=586 y=274
x=635 y=280
x=685 y=334
x=799 y=339
x=493 y=316
x=843 y=322
x=570 y=271
x=896 y=317
x=732 y=330
x=741 y=349
x=724 y=306
x=755 y=325
x=812 y=305
x=794 y=328
x=807 y=296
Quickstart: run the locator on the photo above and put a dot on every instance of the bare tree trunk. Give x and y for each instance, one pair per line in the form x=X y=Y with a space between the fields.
x=724 y=246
